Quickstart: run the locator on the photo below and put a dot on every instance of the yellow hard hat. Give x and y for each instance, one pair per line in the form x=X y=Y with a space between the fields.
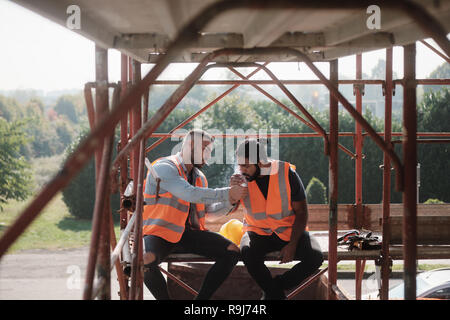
x=233 y=231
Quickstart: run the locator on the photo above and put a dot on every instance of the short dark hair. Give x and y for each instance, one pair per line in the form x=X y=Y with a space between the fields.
x=252 y=150
x=195 y=133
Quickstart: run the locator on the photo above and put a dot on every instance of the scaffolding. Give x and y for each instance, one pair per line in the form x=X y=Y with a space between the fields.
x=126 y=110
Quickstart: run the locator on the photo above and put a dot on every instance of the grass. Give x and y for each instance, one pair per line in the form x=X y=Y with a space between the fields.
x=44 y=169
x=53 y=229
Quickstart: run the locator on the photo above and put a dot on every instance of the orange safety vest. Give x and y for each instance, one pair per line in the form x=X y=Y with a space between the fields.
x=274 y=214
x=166 y=216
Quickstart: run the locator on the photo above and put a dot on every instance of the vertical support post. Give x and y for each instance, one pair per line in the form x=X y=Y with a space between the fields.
x=136 y=288
x=130 y=115
x=123 y=140
x=99 y=251
x=137 y=162
x=102 y=104
x=136 y=122
x=358 y=142
x=333 y=183
x=358 y=175
x=410 y=173
x=385 y=263
x=113 y=241
x=124 y=163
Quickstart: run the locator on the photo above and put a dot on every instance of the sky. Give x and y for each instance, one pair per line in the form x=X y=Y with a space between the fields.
x=39 y=54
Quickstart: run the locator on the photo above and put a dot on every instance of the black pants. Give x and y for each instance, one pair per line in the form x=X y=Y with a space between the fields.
x=205 y=243
x=254 y=248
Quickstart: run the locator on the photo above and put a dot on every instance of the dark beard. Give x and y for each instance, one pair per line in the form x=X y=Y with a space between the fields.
x=253 y=177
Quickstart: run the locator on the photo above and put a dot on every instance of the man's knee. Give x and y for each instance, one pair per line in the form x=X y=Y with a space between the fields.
x=316 y=259
x=149 y=257
x=233 y=247
x=249 y=255
x=233 y=253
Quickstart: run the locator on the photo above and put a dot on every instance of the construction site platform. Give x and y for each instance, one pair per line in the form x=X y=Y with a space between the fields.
x=426 y=251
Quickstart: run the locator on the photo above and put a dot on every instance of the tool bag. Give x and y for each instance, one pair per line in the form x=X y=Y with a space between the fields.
x=360 y=240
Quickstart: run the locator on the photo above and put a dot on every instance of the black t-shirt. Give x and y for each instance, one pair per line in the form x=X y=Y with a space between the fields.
x=297 y=188
x=190 y=216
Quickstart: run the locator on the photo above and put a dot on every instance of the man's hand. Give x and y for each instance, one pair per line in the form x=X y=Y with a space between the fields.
x=237 y=192
x=237 y=179
x=287 y=254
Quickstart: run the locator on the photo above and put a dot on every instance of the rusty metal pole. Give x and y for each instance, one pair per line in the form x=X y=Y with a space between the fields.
x=385 y=263
x=136 y=265
x=313 y=124
x=99 y=249
x=123 y=141
x=131 y=113
x=141 y=248
x=123 y=212
x=89 y=103
x=440 y=54
x=102 y=109
x=113 y=241
x=359 y=271
x=410 y=163
x=136 y=122
x=104 y=259
x=333 y=183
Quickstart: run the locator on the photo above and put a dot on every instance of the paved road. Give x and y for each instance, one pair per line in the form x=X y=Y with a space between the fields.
x=47 y=275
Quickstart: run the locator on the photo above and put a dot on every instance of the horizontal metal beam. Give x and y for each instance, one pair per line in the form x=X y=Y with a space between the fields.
x=159 y=43
x=199 y=56
x=300 y=39
x=373 y=41
x=299 y=135
x=268 y=82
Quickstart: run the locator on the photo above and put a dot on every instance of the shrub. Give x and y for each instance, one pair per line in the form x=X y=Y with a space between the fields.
x=433 y=201
x=316 y=192
x=79 y=194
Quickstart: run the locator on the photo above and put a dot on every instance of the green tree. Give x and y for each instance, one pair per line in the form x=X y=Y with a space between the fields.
x=65 y=134
x=433 y=116
x=9 y=108
x=65 y=106
x=15 y=175
x=441 y=72
x=79 y=194
x=231 y=114
x=316 y=192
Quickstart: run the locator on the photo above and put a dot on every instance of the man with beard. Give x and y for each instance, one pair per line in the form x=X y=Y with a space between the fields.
x=175 y=211
x=275 y=220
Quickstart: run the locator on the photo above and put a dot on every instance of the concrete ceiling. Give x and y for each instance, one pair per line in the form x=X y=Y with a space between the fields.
x=143 y=29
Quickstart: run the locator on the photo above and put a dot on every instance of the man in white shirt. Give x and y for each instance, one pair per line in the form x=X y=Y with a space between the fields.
x=174 y=219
